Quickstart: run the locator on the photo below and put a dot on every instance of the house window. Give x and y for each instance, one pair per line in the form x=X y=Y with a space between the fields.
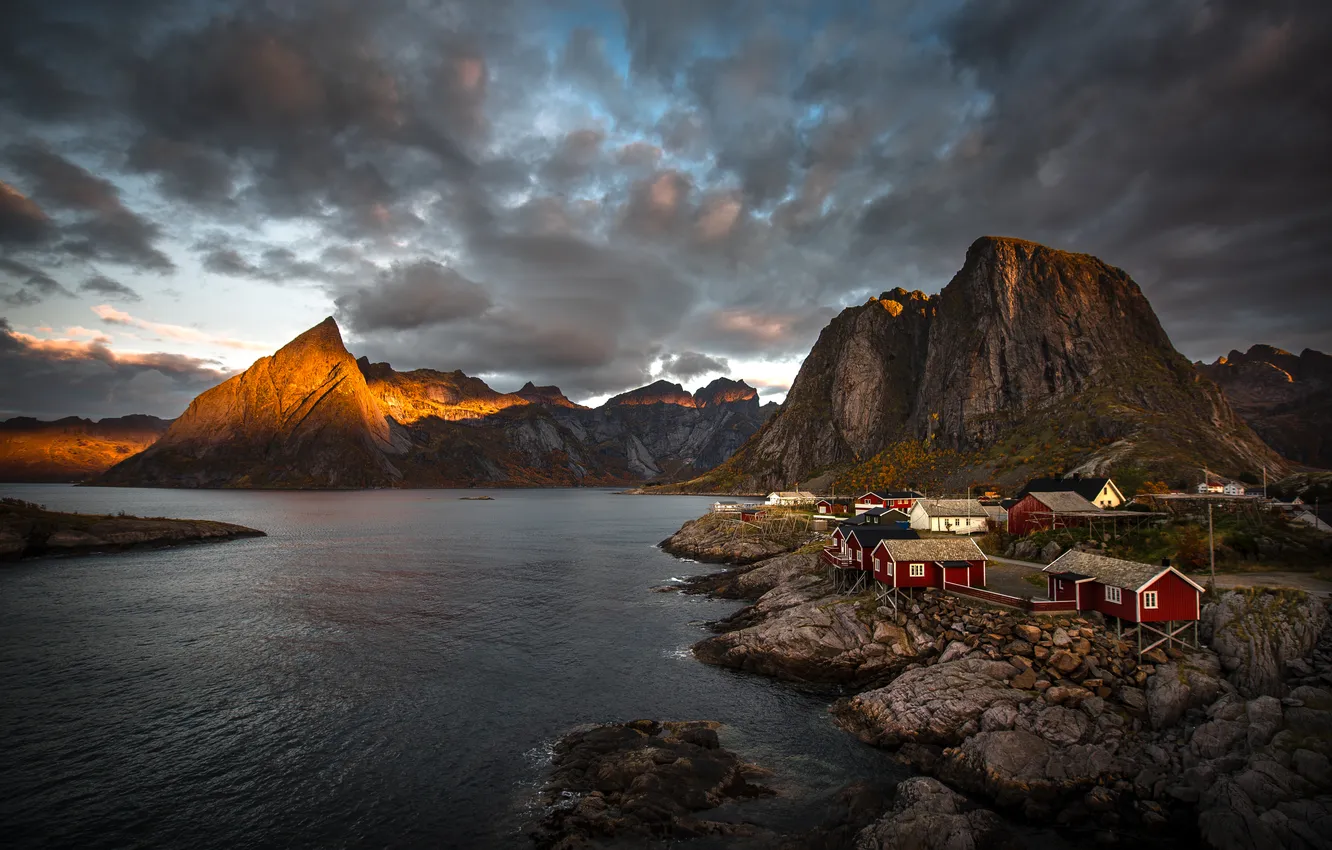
x=1149 y=599
x=917 y=570
x=1113 y=594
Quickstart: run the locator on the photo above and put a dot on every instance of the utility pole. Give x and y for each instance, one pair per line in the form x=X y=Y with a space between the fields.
x=1211 y=547
x=1264 y=482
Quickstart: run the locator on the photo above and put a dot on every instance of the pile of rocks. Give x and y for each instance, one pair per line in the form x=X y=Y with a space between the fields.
x=716 y=539
x=639 y=779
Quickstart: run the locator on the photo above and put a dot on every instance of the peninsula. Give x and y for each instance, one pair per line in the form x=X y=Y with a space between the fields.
x=30 y=531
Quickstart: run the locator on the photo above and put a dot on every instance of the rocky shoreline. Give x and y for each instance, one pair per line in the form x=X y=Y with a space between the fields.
x=31 y=531
x=1054 y=720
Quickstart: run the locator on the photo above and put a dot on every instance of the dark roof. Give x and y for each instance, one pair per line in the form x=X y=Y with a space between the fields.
x=1008 y=503
x=954 y=564
x=1072 y=576
x=1087 y=488
x=869 y=535
x=887 y=512
x=893 y=494
x=859 y=519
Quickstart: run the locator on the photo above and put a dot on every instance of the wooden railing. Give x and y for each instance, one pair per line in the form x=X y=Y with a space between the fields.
x=1036 y=606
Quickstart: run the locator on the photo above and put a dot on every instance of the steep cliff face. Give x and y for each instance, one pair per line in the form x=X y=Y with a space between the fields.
x=303 y=417
x=1285 y=398
x=311 y=416
x=852 y=395
x=72 y=449
x=1028 y=356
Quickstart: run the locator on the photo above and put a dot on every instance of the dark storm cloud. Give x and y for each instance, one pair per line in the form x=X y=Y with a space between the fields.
x=22 y=285
x=22 y=222
x=519 y=192
x=688 y=365
x=103 y=227
x=107 y=288
x=413 y=295
x=54 y=378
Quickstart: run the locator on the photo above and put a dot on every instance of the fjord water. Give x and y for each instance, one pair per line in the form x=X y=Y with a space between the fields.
x=385 y=669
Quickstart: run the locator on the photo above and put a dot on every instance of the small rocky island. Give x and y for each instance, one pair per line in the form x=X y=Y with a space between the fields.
x=31 y=531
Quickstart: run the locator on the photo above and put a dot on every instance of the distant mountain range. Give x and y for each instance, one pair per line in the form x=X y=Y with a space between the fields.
x=1030 y=361
x=312 y=416
x=71 y=449
x=1285 y=398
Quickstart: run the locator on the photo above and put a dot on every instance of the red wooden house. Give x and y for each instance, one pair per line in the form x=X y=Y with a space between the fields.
x=902 y=500
x=934 y=562
x=833 y=507
x=1043 y=511
x=1141 y=594
x=851 y=547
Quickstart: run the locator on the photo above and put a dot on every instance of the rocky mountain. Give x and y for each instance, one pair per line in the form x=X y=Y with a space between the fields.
x=1286 y=398
x=1029 y=357
x=312 y=416
x=71 y=449
x=304 y=417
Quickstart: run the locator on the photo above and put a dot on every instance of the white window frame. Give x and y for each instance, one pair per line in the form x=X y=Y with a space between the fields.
x=1114 y=594
x=916 y=570
x=1150 y=600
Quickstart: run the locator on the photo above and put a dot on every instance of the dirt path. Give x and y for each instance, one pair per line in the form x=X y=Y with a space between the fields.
x=1298 y=581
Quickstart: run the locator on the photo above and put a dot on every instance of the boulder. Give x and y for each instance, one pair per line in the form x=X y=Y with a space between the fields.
x=939 y=704
x=927 y=815
x=1175 y=688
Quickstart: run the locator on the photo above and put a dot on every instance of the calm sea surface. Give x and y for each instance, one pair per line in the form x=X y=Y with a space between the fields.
x=385 y=669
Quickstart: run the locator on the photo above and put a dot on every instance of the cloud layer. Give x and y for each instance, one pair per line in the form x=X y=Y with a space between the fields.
x=596 y=196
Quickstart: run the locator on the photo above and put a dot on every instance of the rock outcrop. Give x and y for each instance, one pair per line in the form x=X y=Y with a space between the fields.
x=715 y=539
x=72 y=449
x=642 y=779
x=1026 y=345
x=311 y=416
x=1286 y=398
x=1257 y=633
x=928 y=815
x=30 y=531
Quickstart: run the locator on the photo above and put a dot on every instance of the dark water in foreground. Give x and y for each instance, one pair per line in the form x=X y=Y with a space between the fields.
x=386 y=669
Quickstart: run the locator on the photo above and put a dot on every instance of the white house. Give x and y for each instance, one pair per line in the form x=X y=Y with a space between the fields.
x=960 y=516
x=791 y=497
x=1209 y=489
x=1234 y=489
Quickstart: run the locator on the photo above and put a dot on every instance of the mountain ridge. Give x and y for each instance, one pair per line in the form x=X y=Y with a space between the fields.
x=312 y=416
x=1029 y=358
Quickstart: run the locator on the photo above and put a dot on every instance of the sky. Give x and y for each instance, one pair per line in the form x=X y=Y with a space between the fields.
x=599 y=194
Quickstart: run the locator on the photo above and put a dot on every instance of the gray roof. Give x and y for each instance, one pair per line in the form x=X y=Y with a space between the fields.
x=952 y=507
x=1129 y=575
x=935 y=549
x=1065 y=502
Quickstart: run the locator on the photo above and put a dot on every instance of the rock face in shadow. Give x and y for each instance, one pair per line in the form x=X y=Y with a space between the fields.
x=311 y=416
x=1285 y=398
x=1256 y=633
x=1026 y=344
x=640 y=780
x=72 y=449
x=29 y=531
x=928 y=815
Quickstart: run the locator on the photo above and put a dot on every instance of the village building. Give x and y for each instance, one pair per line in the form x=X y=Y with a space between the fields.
x=1160 y=602
x=1233 y=488
x=902 y=500
x=1045 y=510
x=1101 y=492
x=886 y=517
x=726 y=507
x=788 y=498
x=997 y=515
x=936 y=562
x=959 y=516
x=829 y=506
x=1208 y=489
